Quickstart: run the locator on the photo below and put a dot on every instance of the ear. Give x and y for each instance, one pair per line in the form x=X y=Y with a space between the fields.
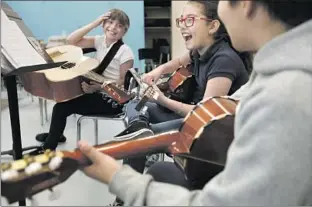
x=215 y=24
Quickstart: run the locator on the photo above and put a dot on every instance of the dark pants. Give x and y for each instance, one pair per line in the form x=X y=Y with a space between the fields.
x=168 y=172
x=88 y=104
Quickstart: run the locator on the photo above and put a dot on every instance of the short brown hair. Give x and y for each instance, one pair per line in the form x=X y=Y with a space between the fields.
x=121 y=16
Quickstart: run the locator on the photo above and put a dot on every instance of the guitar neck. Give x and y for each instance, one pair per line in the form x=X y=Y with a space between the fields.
x=134 y=147
x=95 y=77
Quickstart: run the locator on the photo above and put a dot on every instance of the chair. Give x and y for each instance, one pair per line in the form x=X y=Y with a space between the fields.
x=164 y=54
x=149 y=56
x=118 y=117
x=95 y=118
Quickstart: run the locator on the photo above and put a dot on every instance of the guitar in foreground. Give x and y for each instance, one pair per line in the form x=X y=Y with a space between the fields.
x=26 y=177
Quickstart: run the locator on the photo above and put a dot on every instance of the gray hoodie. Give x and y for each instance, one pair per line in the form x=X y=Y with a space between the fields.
x=270 y=159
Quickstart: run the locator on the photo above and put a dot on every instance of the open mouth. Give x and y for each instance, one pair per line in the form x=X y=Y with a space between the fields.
x=187 y=37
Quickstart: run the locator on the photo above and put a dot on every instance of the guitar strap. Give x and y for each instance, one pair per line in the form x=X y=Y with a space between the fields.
x=108 y=57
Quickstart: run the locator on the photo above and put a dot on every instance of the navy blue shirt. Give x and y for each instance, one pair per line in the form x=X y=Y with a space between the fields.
x=220 y=60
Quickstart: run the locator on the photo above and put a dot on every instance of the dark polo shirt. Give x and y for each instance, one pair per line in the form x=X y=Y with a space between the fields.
x=220 y=60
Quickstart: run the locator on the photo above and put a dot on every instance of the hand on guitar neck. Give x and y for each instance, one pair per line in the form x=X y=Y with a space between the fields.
x=176 y=87
x=90 y=88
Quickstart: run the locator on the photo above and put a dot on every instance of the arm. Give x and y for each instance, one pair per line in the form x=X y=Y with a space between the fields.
x=168 y=67
x=126 y=59
x=268 y=163
x=215 y=87
x=123 y=70
x=78 y=37
x=219 y=82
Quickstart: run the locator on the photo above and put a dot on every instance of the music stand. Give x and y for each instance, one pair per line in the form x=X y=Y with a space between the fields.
x=10 y=81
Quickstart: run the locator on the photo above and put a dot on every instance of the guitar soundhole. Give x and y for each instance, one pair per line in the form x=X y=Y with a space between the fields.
x=68 y=65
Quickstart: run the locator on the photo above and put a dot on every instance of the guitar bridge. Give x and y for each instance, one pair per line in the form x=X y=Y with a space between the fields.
x=68 y=65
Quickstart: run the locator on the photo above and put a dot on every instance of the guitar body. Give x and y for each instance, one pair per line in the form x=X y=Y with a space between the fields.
x=64 y=83
x=213 y=134
x=179 y=84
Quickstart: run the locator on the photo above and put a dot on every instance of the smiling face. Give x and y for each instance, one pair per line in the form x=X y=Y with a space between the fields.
x=116 y=26
x=197 y=35
x=247 y=25
x=113 y=30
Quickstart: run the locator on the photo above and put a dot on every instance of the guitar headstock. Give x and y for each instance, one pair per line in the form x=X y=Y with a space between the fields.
x=148 y=93
x=151 y=93
x=117 y=93
x=26 y=177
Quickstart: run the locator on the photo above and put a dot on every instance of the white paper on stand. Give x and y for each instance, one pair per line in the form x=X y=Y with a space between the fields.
x=15 y=46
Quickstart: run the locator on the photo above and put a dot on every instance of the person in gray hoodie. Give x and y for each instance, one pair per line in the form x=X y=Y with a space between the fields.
x=270 y=160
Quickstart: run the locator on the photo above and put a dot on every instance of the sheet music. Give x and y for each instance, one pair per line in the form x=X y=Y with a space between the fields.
x=15 y=45
x=6 y=65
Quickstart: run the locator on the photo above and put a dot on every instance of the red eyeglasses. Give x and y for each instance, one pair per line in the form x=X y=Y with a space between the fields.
x=189 y=21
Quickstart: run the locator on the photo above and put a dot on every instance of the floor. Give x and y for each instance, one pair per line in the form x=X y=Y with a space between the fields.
x=78 y=190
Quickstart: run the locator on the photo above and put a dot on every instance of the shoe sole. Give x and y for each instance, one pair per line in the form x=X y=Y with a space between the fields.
x=135 y=135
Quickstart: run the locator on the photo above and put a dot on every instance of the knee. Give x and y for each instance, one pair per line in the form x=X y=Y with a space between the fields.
x=61 y=109
x=157 y=169
x=132 y=104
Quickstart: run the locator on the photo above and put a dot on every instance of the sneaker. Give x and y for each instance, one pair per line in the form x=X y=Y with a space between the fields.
x=151 y=159
x=145 y=132
x=133 y=127
x=43 y=136
x=117 y=202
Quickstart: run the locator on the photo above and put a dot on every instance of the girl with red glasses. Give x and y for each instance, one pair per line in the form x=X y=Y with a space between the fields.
x=217 y=68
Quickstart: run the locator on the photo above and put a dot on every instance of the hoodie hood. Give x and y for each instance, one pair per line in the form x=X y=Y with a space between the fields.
x=289 y=51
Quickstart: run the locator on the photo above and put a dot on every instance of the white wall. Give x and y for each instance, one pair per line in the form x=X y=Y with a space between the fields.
x=177 y=42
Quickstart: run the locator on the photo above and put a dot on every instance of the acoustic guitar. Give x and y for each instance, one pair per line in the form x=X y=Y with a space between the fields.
x=24 y=178
x=78 y=66
x=178 y=87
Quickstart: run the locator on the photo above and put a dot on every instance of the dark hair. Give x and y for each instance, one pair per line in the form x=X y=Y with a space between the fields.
x=291 y=12
x=210 y=10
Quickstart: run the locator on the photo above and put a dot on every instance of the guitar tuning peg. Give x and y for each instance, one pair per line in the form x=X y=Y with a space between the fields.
x=54 y=194
x=26 y=156
x=5 y=166
x=29 y=159
x=33 y=168
x=9 y=175
x=55 y=163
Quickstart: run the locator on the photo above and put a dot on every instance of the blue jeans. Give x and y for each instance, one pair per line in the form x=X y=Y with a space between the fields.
x=138 y=163
x=154 y=113
x=161 y=121
x=167 y=126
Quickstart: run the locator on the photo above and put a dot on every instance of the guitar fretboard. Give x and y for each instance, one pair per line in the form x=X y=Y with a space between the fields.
x=94 y=76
